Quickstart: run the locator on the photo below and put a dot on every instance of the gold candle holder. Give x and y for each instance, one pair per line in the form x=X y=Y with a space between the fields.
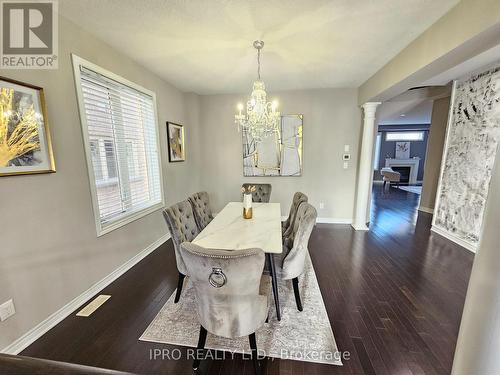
x=247 y=213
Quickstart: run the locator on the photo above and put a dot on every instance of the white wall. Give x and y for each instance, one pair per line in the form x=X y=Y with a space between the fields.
x=331 y=119
x=49 y=251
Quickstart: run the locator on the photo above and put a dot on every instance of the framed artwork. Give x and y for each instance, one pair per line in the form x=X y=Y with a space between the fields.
x=402 y=150
x=25 y=145
x=279 y=154
x=176 y=148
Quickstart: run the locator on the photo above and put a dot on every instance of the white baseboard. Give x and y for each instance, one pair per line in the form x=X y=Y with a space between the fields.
x=426 y=209
x=332 y=220
x=35 y=333
x=326 y=220
x=360 y=227
x=459 y=241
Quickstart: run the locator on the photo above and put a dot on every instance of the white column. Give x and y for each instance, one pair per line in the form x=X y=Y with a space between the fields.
x=477 y=349
x=365 y=172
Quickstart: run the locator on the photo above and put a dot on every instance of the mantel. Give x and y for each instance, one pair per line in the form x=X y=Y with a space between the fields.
x=413 y=163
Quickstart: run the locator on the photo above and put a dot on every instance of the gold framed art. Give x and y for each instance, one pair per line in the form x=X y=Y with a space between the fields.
x=176 y=146
x=279 y=154
x=25 y=143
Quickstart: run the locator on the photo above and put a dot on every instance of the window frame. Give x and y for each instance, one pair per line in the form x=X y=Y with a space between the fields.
x=133 y=214
x=378 y=148
x=421 y=132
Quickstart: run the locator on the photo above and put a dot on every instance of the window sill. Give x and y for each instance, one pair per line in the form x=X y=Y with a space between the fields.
x=132 y=216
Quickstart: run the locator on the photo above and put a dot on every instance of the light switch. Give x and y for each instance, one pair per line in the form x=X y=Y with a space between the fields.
x=346 y=165
x=346 y=148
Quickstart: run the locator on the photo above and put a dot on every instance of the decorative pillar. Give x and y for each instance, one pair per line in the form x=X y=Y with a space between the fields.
x=477 y=350
x=365 y=167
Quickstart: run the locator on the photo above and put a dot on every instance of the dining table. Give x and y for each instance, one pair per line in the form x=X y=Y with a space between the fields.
x=230 y=231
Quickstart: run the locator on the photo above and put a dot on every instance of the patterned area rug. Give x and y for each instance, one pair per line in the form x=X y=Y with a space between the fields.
x=412 y=189
x=304 y=336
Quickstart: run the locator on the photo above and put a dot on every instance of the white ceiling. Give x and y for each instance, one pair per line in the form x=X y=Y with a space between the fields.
x=205 y=46
x=416 y=112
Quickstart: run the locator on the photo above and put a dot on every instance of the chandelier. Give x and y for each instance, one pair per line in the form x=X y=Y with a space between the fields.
x=261 y=118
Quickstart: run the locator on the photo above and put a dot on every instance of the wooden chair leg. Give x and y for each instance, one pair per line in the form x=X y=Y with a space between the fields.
x=295 y=283
x=179 y=287
x=255 y=357
x=200 y=347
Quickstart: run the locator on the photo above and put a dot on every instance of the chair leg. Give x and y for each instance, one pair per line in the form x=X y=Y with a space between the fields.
x=179 y=287
x=295 y=283
x=200 y=347
x=255 y=357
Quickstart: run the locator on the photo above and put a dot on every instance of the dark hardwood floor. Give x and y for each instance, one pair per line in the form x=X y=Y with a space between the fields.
x=394 y=296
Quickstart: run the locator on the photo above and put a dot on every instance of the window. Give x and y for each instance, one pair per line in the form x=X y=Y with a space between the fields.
x=96 y=158
x=121 y=139
x=376 y=157
x=404 y=136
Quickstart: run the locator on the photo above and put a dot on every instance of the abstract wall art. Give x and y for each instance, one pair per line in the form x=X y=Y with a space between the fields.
x=402 y=150
x=25 y=145
x=279 y=154
x=176 y=148
x=473 y=137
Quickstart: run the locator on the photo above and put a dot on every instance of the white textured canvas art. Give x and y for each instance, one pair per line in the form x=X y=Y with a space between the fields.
x=472 y=142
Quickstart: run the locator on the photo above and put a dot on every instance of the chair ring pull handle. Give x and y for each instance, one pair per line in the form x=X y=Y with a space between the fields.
x=217 y=278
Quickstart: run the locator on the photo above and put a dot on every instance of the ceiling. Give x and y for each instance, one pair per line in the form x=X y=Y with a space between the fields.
x=205 y=46
x=413 y=107
x=414 y=112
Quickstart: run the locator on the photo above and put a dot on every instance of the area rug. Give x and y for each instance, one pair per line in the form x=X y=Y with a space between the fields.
x=304 y=336
x=412 y=189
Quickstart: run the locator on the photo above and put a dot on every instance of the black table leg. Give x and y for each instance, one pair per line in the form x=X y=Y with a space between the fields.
x=275 y=284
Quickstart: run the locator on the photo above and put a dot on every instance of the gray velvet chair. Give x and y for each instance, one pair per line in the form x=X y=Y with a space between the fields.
x=229 y=293
x=262 y=192
x=182 y=226
x=294 y=258
x=287 y=225
x=201 y=209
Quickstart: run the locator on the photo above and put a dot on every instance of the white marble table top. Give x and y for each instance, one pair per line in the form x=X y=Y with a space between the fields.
x=229 y=231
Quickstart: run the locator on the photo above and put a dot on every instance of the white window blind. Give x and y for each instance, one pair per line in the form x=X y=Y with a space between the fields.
x=122 y=141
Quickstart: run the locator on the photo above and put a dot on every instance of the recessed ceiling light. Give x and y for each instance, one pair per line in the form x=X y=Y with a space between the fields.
x=402 y=115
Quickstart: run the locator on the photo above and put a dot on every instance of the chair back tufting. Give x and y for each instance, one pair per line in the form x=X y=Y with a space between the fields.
x=293 y=264
x=227 y=288
x=182 y=226
x=201 y=209
x=298 y=199
x=262 y=192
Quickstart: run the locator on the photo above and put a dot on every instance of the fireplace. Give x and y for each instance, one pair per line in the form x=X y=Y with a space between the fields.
x=405 y=173
x=407 y=167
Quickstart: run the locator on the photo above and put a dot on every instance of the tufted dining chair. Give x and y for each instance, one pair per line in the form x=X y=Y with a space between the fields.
x=262 y=192
x=230 y=303
x=293 y=262
x=182 y=226
x=287 y=225
x=201 y=209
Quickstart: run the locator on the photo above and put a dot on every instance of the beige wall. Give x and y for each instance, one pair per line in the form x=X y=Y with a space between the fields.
x=477 y=344
x=49 y=251
x=435 y=145
x=331 y=119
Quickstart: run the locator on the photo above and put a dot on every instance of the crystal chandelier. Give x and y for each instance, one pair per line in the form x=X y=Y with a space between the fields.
x=261 y=118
